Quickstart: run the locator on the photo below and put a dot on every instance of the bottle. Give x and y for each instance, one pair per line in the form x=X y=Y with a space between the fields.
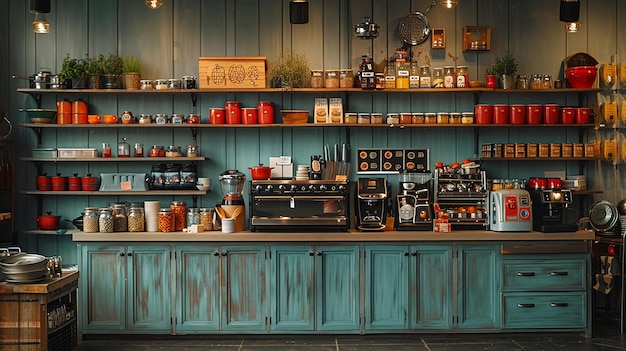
x=402 y=73
x=390 y=75
x=449 y=77
x=414 y=76
x=367 y=76
x=462 y=77
x=123 y=148
x=425 y=78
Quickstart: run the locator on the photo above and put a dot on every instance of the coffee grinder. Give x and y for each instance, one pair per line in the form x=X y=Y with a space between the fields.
x=371 y=204
x=550 y=209
x=232 y=183
x=413 y=205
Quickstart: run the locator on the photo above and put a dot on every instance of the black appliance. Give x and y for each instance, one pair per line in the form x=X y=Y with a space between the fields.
x=550 y=210
x=413 y=205
x=299 y=205
x=372 y=204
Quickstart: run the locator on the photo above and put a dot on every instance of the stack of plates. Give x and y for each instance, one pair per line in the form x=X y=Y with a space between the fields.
x=302 y=173
x=24 y=268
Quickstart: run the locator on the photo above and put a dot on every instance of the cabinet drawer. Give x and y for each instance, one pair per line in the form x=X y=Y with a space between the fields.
x=544 y=310
x=533 y=275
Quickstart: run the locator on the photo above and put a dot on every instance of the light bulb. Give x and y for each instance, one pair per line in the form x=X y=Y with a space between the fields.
x=449 y=4
x=154 y=4
x=572 y=27
x=41 y=26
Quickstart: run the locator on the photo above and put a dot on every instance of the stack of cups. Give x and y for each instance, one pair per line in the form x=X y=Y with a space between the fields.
x=151 y=209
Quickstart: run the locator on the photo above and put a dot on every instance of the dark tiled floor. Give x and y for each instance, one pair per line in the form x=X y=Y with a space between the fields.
x=605 y=339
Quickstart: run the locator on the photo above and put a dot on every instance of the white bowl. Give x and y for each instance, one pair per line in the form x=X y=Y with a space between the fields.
x=203 y=187
x=204 y=181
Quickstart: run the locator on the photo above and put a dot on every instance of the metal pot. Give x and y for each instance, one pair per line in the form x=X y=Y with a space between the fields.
x=603 y=216
x=48 y=222
x=261 y=172
x=77 y=222
x=366 y=29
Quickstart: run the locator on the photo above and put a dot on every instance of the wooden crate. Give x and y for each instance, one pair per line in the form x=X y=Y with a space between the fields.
x=232 y=72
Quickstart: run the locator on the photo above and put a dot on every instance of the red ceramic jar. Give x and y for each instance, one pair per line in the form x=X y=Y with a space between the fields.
x=517 y=113
x=44 y=183
x=249 y=115
x=216 y=115
x=233 y=112
x=483 y=114
x=582 y=115
x=74 y=183
x=89 y=183
x=266 y=112
x=500 y=114
x=59 y=183
x=551 y=113
x=568 y=115
x=534 y=114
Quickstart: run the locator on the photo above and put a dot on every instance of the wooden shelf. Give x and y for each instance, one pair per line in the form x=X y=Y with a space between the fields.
x=118 y=193
x=537 y=159
x=299 y=125
x=114 y=159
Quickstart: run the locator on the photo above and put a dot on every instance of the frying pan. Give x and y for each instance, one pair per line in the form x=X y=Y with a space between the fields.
x=414 y=29
x=603 y=217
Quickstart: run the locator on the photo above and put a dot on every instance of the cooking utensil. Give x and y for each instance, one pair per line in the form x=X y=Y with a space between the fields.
x=414 y=29
x=603 y=216
x=366 y=29
x=260 y=172
x=48 y=222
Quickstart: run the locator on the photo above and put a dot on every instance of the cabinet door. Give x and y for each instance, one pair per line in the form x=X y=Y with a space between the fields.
x=243 y=279
x=478 y=282
x=197 y=288
x=103 y=288
x=431 y=287
x=149 y=292
x=337 y=290
x=386 y=287
x=291 y=286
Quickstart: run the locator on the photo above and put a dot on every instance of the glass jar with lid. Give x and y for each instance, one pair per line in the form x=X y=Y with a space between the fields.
x=145 y=118
x=332 y=79
x=192 y=150
x=403 y=69
x=90 y=220
x=120 y=220
x=390 y=75
x=189 y=82
x=414 y=76
x=497 y=184
x=160 y=84
x=178 y=118
x=179 y=208
x=462 y=77
x=206 y=218
x=157 y=151
x=160 y=118
x=136 y=219
x=166 y=220
x=393 y=118
x=193 y=216
x=437 y=80
x=449 y=77
x=173 y=151
x=123 y=148
x=346 y=78
x=425 y=77
x=376 y=118
x=317 y=79
x=146 y=84
x=430 y=118
x=105 y=220
x=174 y=83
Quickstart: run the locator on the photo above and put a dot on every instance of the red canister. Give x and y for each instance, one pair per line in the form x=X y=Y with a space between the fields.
x=266 y=112
x=74 y=183
x=249 y=115
x=89 y=183
x=233 y=112
x=483 y=114
x=568 y=115
x=64 y=112
x=44 y=183
x=551 y=113
x=79 y=112
x=582 y=115
x=534 y=114
x=216 y=115
x=500 y=114
x=517 y=113
x=538 y=183
x=555 y=183
x=59 y=183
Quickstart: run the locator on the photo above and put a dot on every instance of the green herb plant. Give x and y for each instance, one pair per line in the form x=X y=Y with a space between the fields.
x=113 y=65
x=131 y=64
x=505 y=65
x=292 y=70
x=72 y=68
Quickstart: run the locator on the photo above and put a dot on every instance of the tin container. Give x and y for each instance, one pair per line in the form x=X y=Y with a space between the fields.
x=189 y=82
x=174 y=83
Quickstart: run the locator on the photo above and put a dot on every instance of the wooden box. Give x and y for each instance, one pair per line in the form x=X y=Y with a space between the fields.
x=476 y=38
x=438 y=38
x=232 y=72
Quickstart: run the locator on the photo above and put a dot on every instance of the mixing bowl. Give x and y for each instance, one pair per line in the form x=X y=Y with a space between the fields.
x=581 y=77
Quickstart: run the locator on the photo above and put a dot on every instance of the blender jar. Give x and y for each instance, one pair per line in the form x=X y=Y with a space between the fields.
x=232 y=183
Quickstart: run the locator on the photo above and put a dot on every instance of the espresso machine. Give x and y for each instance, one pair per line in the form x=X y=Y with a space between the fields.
x=372 y=204
x=413 y=205
x=550 y=210
x=232 y=183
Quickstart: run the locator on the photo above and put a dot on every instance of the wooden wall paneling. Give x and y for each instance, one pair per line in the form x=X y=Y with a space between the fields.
x=187 y=28
x=380 y=45
x=247 y=27
x=270 y=29
x=306 y=39
x=307 y=142
x=396 y=10
x=357 y=9
x=331 y=27
x=230 y=28
x=603 y=42
x=496 y=15
x=579 y=42
x=213 y=37
x=346 y=36
x=271 y=143
x=98 y=22
x=248 y=150
x=4 y=55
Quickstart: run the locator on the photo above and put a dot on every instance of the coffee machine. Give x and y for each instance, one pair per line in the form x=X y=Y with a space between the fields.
x=550 y=210
x=232 y=183
x=371 y=209
x=413 y=205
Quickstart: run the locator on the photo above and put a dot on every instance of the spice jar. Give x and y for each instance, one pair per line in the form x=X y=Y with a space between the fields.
x=417 y=118
x=174 y=83
x=120 y=221
x=437 y=80
x=206 y=218
x=425 y=77
x=90 y=220
x=346 y=78
x=179 y=208
x=393 y=118
x=160 y=84
x=189 y=82
x=105 y=220
x=193 y=216
x=166 y=220
x=138 y=150
x=449 y=77
x=455 y=118
x=462 y=77
x=376 y=118
x=193 y=118
x=332 y=79
x=160 y=118
x=405 y=118
x=145 y=118
x=430 y=118
x=178 y=118
x=192 y=150
x=157 y=151
x=173 y=151
x=443 y=117
x=364 y=118
x=136 y=219
x=146 y=84
x=414 y=76
x=317 y=79
x=123 y=148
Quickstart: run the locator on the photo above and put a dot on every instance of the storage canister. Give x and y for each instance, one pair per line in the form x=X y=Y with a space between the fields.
x=174 y=83
x=517 y=113
x=90 y=220
x=437 y=78
x=455 y=118
x=568 y=115
x=332 y=79
x=430 y=118
x=166 y=220
x=249 y=115
x=346 y=78
x=265 y=112
x=550 y=113
x=79 y=112
x=405 y=118
x=449 y=77
x=193 y=216
x=467 y=117
x=350 y=118
x=64 y=112
x=160 y=84
x=179 y=208
x=534 y=114
x=136 y=219
x=376 y=118
x=393 y=118
x=462 y=77
x=216 y=115
x=206 y=218
x=582 y=114
x=120 y=220
x=105 y=220
x=160 y=118
x=145 y=118
x=501 y=114
x=146 y=84
x=193 y=118
x=189 y=82
x=483 y=114
x=417 y=118
x=443 y=117
x=232 y=112
x=317 y=79
x=364 y=118
x=74 y=183
x=178 y=118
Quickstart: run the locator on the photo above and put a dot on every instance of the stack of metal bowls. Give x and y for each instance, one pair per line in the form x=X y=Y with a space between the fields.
x=24 y=268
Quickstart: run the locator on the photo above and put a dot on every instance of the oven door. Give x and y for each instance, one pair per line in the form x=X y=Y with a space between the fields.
x=298 y=211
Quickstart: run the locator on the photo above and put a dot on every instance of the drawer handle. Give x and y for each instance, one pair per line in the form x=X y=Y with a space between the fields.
x=559 y=273
x=525 y=305
x=525 y=274
x=558 y=304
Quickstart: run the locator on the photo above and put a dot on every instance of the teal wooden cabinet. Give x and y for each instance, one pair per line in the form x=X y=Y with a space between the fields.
x=478 y=287
x=126 y=289
x=197 y=288
x=315 y=288
x=431 y=287
x=386 y=287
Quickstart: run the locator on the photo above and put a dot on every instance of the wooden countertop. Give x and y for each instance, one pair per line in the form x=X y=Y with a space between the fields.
x=43 y=287
x=246 y=236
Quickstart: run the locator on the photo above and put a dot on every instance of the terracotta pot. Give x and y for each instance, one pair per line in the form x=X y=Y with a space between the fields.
x=260 y=172
x=48 y=222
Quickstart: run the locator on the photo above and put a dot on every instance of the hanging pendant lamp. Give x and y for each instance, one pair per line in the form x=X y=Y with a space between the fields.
x=39 y=7
x=298 y=12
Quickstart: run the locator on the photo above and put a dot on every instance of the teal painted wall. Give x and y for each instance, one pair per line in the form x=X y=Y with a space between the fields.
x=169 y=41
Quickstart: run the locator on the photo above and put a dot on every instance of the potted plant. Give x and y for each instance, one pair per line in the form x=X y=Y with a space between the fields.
x=72 y=74
x=132 y=72
x=94 y=70
x=113 y=67
x=505 y=68
x=491 y=80
x=291 y=70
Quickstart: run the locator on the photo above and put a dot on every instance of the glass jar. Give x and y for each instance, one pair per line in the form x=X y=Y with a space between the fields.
x=206 y=218
x=350 y=118
x=157 y=151
x=346 y=78
x=376 y=118
x=536 y=81
x=403 y=69
x=146 y=84
x=425 y=78
x=467 y=117
x=547 y=81
x=105 y=220
x=522 y=81
x=120 y=221
x=390 y=75
x=364 y=118
x=193 y=118
x=173 y=151
x=317 y=79
x=393 y=118
x=405 y=118
x=417 y=118
x=123 y=148
x=106 y=150
x=430 y=118
x=160 y=118
x=443 y=117
x=189 y=82
x=437 y=80
x=145 y=118
x=90 y=220
x=174 y=83
x=455 y=118
x=380 y=81
x=178 y=118
x=192 y=150
x=193 y=216
x=332 y=79
x=462 y=77
x=414 y=76
x=166 y=220
x=179 y=208
x=138 y=150
x=496 y=185
x=160 y=84
x=449 y=77
x=136 y=219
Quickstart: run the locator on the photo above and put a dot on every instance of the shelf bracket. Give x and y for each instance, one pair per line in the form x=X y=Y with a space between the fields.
x=37 y=98
x=194 y=200
x=477 y=95
x=194 y=135
x=194 y=103
x=477 y=148
x=38 y=133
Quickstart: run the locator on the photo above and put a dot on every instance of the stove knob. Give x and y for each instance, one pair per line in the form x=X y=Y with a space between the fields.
x=342 y=187
x=269 y=188
x=303 y=188
x=258 y=188
x=322 y=188
x=311 y=188
x=282 y=188
x=293 y=187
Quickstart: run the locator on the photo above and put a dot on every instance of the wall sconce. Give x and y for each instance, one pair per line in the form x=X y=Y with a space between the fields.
x=449 y=4
x=298 y=12
x=154 y=4
x=39 y=7
x=569 y=12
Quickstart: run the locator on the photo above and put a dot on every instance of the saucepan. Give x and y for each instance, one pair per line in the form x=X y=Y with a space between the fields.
x=261 y=172
x=48 y=222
